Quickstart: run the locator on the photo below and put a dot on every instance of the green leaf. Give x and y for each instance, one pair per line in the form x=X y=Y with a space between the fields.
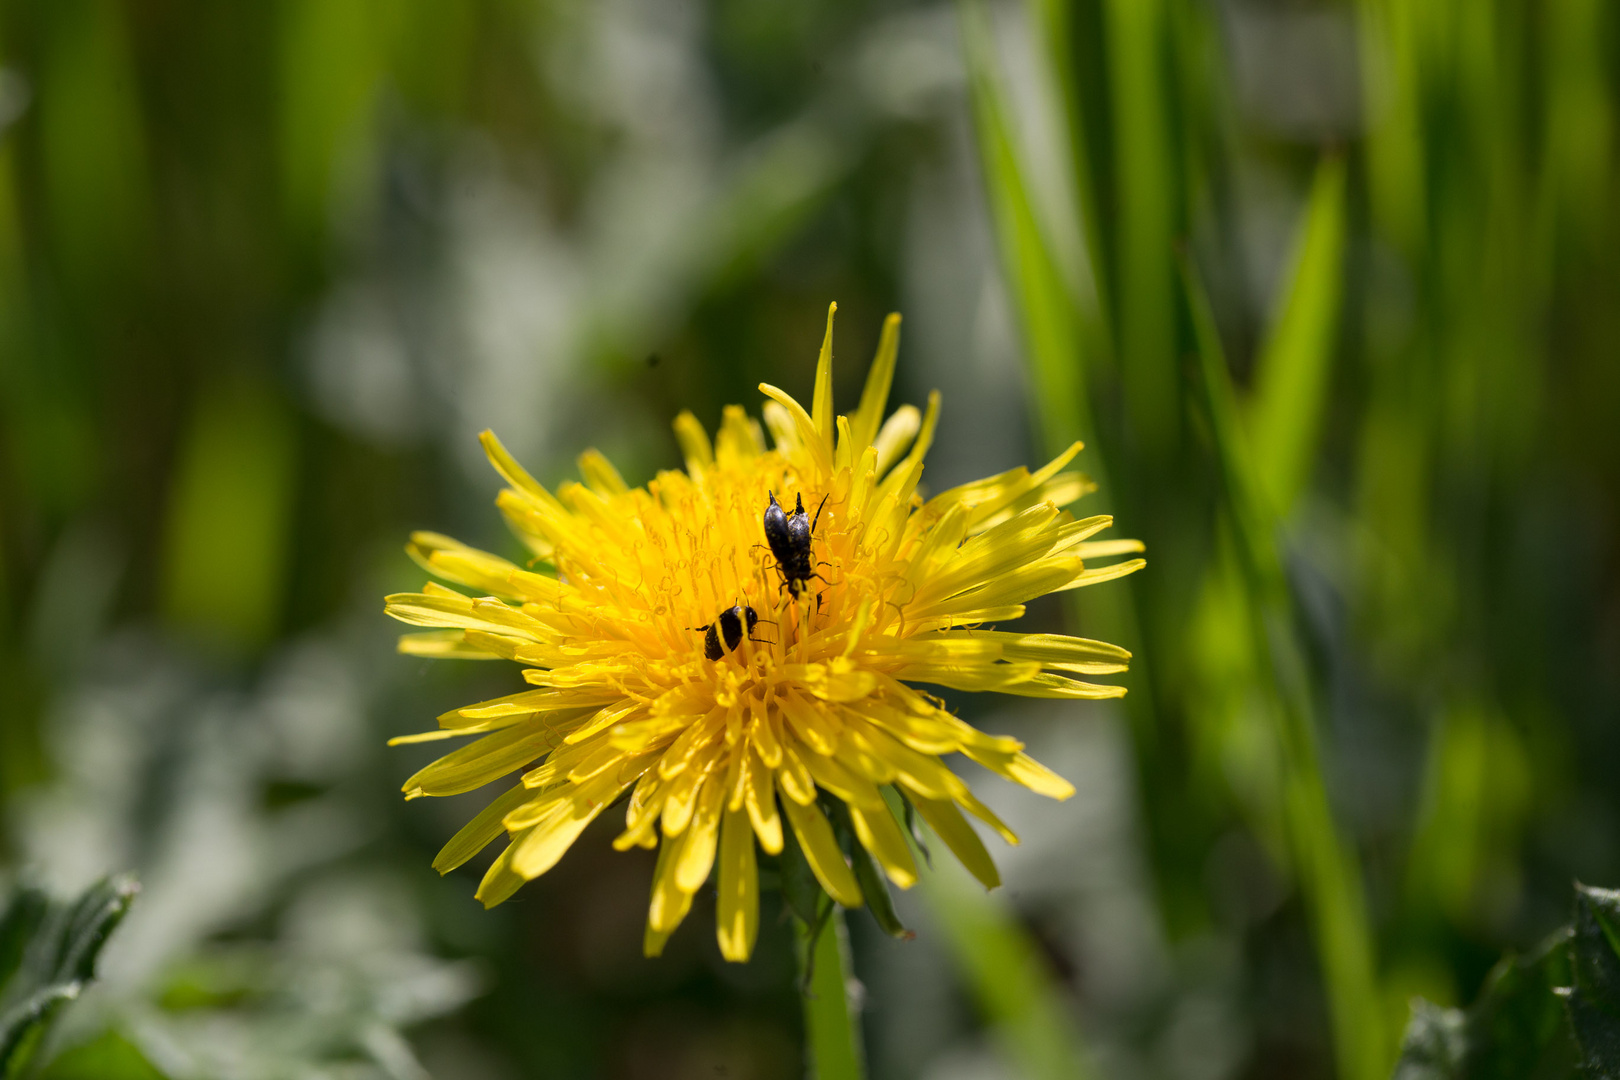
x=1514 y=1031
x=1292 y=373
x=1517 y=1026
x=873 y=885
x=1594 y=998
x=56 y=961
x=18 y=926
x=912 y=822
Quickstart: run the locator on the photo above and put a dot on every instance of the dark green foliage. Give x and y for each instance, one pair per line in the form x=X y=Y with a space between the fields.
x=1515 y=1030
x=804 y=895
x=913 y=824
x=1594 y=994
x=1553 y=1014
x=873 y=887
x=48 y=956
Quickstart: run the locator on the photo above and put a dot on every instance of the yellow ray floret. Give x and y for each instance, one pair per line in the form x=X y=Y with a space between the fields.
x=616 y=620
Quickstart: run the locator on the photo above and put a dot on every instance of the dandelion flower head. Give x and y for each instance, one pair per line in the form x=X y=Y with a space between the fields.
x=616 y=621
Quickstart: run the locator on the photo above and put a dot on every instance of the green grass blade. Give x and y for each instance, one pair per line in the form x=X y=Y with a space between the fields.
x=1295 y=363
x=1328 y=873
x=1061 y=28
x=50 y=950
x=1396 y=152
x=1045 y=305
x=1006 y=974
x=1147 y=213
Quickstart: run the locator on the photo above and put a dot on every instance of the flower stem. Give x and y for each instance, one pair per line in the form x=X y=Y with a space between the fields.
x=831 y=1022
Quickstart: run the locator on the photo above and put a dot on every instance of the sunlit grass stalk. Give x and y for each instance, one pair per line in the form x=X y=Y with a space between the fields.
x=1325 y=864
x=1294 y=380
x=1145 y=208
x=832 y=1037
x=993 y=953
x=1047 y=310
x=1015 y=990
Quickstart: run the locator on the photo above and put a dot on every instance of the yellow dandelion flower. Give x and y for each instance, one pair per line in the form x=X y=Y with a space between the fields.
x=719 y=728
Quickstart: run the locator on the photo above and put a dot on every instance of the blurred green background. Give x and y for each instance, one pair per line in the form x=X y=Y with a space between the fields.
x=1328 y=288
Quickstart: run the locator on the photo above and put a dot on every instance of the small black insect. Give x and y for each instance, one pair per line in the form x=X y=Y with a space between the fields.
x=724 y=634
x=789 y=539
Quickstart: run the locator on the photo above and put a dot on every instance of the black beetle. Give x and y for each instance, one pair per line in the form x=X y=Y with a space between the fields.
x=789 y=540
x=726 y=633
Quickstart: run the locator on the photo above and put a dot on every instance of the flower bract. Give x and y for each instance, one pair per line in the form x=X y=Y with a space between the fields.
x=817 y=699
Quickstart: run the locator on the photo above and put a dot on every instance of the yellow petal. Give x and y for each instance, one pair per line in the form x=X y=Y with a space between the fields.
x=617 y=713
x=1056 y=686
x=896 y=435
x=550 y=839
x=821 y=405
x=515 y=474
x=832 y=775
x=838 y=679
x=669 y=905
x=918 y=771
x=443 y=645
x=478 y=833
x=1020 y=768
x=795 y=779
x=454 y=561
x=1058 y=651
x=1014 y=544
x=437 y=609
x=863 y=423
x=879 y=833
x=821 y=852
x=1005 y=678
x=477 y=763
x=500 y=880
x=902 y=480
x=762 y=733
x=694 y=443
x=600 y=474
x=759 y=797
x=737 y=913
x=820 y=451
x=938 y=544
x=972 y=805
x=1017 y=586
x=738 y=441
x=697 y=853
x=681 y=801
x=1103 y=549
x=1098 y=575
x=641 y=813
x=950 y=826
x=815 y=727
x=784 y=431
